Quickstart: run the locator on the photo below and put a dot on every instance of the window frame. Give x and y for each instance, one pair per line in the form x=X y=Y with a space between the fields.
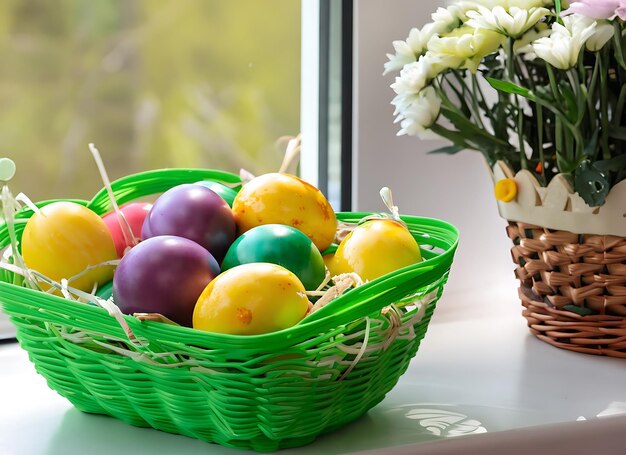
x=327 y=98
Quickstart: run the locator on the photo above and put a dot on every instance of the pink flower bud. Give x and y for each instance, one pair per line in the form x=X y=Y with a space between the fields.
x=597 y=9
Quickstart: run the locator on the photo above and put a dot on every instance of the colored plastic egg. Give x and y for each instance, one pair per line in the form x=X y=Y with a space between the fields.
x=285 y=199
x=329 y=262
x=251 y=299
x=282 y=245
x=195 y=213
x=63 y=240
x=375 y=248
x=105 y=291
x=164 y=275
x=135 y=213
x=226 y=193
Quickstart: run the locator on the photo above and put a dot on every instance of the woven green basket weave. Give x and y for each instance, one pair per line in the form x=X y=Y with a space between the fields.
x=262 y=392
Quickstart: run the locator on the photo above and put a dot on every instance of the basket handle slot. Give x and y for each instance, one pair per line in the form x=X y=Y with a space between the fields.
x=149 y=183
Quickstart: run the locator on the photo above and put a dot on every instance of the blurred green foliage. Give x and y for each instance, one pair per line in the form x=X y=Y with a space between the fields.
x=186 y=83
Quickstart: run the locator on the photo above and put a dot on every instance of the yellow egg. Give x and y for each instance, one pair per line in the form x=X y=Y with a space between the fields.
x=285 y=199
x=329 y=262
x=251 y=299
x=64 y=239
x=375 y=248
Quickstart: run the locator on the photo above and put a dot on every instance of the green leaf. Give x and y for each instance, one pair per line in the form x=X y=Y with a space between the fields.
x=545 y=93
x=448 y=150
x=470 y=130
x=464 y=142
x=455 y=137
x=618 y=132
x=565 y=166
x=592 y=184
x=461 y=97
x=571 y=101
x=509 y=87
x=558 y=7
x=613 y=165
x=545 y=101
x=619 y=51
x=583 y=311
x=590 y=149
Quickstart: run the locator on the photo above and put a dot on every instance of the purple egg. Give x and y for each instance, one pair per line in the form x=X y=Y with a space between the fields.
x=195 y=213
x=145 y=229
x=165 y=275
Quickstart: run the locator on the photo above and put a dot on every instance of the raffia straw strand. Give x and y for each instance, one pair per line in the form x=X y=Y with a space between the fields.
x=361 y=351
x=127 y=232
x=21 y=197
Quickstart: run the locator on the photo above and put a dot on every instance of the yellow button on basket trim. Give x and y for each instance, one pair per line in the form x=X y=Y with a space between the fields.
x=505 y=190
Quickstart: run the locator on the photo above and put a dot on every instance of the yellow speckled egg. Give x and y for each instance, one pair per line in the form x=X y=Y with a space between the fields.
x=375 y=248
x=285 y=199
x=65 y=238
x=329 y=262
x=251 y=299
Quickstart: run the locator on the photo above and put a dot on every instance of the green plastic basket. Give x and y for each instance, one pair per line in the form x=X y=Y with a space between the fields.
x=262 y=392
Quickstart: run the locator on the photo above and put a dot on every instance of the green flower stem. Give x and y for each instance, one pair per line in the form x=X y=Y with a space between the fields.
x=445 y=100
x=582 y=72
x=510 y=59
x=558 y=135
x=572 y=76
x=520 y=133
x=477 y=92
x=560 y=131
x=516 y=103
x=458 y=92
x=542 y=159
x=467 y=134
x=523 y=69
x=619 y=108
x=553 y=84
x=474 y=103
x=569 y=145
x=604 y=106
x=591 y=91
x=455 y=138
x=618 y=42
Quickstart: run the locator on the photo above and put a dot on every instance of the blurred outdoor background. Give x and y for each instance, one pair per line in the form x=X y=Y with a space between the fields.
x=187 y=83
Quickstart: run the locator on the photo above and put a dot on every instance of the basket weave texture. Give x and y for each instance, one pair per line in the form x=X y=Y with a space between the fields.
x=262 y=392
x=572 y=287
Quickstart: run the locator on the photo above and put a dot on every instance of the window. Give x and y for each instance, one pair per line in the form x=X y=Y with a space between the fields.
x=327 y=98
x=196 y=83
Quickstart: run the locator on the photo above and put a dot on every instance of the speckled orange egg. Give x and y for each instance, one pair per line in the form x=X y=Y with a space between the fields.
x=251 y=299
x=285 y=199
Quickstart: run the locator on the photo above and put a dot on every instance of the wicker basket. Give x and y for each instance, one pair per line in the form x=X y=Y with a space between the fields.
x=573 y=287
x=262 y=392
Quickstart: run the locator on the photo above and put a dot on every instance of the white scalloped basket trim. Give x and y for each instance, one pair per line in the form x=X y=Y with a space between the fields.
x=557 y=206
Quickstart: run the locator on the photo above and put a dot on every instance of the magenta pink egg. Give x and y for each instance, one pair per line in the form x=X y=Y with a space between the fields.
x=135 y=214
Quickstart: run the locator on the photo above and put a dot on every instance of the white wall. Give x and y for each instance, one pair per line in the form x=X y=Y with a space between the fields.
x=457 y=189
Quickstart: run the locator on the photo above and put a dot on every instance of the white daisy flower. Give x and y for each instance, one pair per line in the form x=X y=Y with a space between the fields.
x=514 y=22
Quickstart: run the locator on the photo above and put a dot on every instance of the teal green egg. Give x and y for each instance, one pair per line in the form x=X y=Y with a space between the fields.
x=282 y=245
x=105 y=291
x=226 y=193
